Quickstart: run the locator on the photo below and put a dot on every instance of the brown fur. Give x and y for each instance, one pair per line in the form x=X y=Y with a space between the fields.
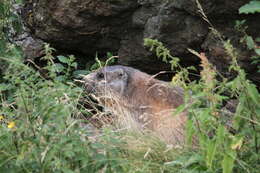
x=149 y=102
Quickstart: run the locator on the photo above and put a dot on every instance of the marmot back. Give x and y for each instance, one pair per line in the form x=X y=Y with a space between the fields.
x=137 y=96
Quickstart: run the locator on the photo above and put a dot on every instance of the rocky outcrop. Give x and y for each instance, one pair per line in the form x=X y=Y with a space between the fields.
x=83 y=26
x=90 y=26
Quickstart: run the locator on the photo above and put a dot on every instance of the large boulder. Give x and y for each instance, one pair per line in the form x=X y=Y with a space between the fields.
x=80 y=26
x=120 y=26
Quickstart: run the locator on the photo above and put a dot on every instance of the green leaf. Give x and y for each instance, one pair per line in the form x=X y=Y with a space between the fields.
x=192 y=68
x=250 y=43
x=258 y=111
x=211 y=151
x=109 y=54
x=59 y=67
x=220 y=135
x=228 y=163
x=60 y=78
x=253 y=93
x=180 y=109
x=194 y=159
x=63 y=59
x=77 y=73
x=174 y=163
x=2 y=9
x=4 y=86
x=257 y=51
x=251 y=7
x=237 y=142
x=74 y=64
x=71 y=58
x=237 y=119
x=189 y=132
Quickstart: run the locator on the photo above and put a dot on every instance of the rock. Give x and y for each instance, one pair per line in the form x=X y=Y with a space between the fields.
x=120 y=26
x=32 y=48
x=80 y=26
x=174 y=31
x=210 y=7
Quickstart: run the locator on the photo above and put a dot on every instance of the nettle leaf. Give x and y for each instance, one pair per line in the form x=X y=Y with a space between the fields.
x=250 y=42
x=4 y=86
x=63 y=59
x=253 y=93
x=2 y=9
x=194 y=159
x=109 y=54
x=251 y=7
x=74 y=64
x=237 y=117
x=257 y=51
x=60 y=78
x=189 y=132
x=59 y=67
x=180 y=109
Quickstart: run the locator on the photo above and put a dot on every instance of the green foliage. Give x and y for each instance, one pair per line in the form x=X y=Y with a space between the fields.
x=36 y=142
x=251 y=7
x=38 y=133
x=219 y=149
x=162 y=52
x=9 y=26
x=99 y=64
x=9 y=21
x=250 y=42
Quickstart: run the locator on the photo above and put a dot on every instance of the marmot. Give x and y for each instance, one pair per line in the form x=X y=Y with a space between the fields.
x=140 y=100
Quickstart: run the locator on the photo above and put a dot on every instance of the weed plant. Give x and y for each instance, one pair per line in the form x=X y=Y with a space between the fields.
x=228 y=141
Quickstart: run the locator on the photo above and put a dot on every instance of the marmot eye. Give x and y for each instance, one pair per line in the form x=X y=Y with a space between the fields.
x=100 y=76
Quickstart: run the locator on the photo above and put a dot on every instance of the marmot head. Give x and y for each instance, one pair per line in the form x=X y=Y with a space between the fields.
x=110 y=79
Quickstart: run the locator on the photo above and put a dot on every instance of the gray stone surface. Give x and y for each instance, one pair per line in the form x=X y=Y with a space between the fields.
x=90 y=26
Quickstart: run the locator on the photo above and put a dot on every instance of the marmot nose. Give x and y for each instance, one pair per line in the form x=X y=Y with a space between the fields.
x=87 y=77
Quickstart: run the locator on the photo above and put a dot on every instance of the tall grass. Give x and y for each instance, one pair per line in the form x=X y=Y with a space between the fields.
x=38 y=133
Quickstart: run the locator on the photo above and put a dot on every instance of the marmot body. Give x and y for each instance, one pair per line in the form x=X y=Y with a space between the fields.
x=148 y=102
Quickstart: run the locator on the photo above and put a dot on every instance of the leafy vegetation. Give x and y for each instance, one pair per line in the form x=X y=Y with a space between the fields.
x=251 y=7
x=224 y=150
x=40 y=128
